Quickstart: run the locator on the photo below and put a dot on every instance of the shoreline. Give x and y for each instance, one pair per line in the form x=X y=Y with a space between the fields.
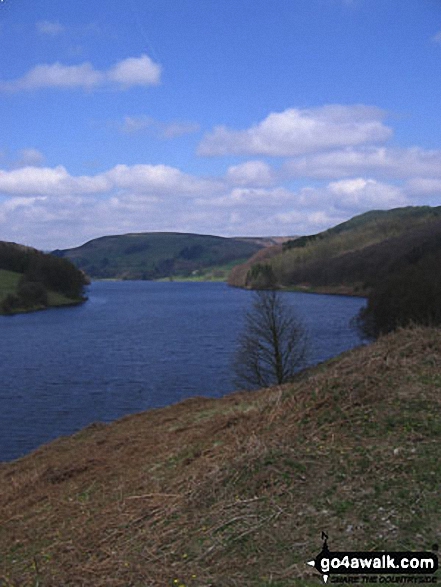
x=67 y=304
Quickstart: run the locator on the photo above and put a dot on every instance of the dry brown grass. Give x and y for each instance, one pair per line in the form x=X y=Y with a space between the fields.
x=236 y=491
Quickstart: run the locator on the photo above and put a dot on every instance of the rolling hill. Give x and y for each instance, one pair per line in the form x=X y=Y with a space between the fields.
x=349 y=258
x=158 y=255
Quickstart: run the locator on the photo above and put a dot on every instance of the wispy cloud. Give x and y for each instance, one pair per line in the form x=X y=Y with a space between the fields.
x=163 y=130
x=437 y=38
x=52 y=29
x=296 y=131
x=177 y=129
x=133 y=71
x=136 y=124
x=29 y=157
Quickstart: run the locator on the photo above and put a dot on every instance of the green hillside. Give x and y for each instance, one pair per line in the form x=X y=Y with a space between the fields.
x=9 y=281
x=350 y=256
x=159 y=255
x=237 y=491
x=32 y=280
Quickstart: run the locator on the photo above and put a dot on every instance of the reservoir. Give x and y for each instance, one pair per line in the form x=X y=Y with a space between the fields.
x=136 y=345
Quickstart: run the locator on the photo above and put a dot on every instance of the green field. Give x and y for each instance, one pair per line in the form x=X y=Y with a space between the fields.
x=218 y=273
x=8 y=282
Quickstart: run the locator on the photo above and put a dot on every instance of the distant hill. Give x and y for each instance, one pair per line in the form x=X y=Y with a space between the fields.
x=266 y=241
x=157 y=255
x=350 y=257
x=32 y=280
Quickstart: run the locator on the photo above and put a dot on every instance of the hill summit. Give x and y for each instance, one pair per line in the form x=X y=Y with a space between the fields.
x=351 y=257
x=158 y=255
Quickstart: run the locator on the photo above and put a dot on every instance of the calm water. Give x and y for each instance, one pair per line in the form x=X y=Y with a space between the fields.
x=133 y=346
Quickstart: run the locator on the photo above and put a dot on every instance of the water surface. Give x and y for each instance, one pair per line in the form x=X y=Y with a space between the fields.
x=134 y=346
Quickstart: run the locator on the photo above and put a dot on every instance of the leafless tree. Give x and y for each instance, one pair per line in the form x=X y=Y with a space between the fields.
x=273 y=345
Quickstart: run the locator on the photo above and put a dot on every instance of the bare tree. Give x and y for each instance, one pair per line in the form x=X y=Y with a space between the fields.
x=273 y=345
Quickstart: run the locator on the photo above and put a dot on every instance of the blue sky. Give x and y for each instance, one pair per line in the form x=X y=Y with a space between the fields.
x=231 y=117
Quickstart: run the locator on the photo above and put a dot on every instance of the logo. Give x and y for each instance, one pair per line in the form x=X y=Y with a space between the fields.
x=366 y=567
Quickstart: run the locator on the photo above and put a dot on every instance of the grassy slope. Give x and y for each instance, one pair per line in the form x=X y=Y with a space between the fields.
x=156 y=255
x=8 y=282
x=366 y=230
x=8 y=285
x=211 y=273
x=236 y=491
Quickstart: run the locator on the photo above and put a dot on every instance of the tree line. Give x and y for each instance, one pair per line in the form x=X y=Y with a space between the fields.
x=408 y=296
x=40 y=273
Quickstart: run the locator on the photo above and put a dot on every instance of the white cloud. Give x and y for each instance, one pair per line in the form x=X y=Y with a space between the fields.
x=390 y=163
x=14 y=203
x=437 y=38
x=49 y=207
x=57 y=210
x=248 y=197
x=345 y=197
x=134 y=71
x=255 y=173
x=157 y=179
x=294 y=132
x=300 y=223
x=137 y=179
x=46 y=181
x=31 y=181
x=270 y=197
x=312 y=210
x=56 y=76
x=421 y=186
x=46 y=27
x=361 y=194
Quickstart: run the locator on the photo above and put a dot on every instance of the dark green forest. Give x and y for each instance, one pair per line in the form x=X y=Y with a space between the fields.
x=42 y=280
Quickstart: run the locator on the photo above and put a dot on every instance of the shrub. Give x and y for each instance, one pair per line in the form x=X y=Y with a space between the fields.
x=32 y=294
x=261 y=276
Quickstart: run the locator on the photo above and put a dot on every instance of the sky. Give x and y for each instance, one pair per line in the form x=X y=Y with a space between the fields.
x=224 y=117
